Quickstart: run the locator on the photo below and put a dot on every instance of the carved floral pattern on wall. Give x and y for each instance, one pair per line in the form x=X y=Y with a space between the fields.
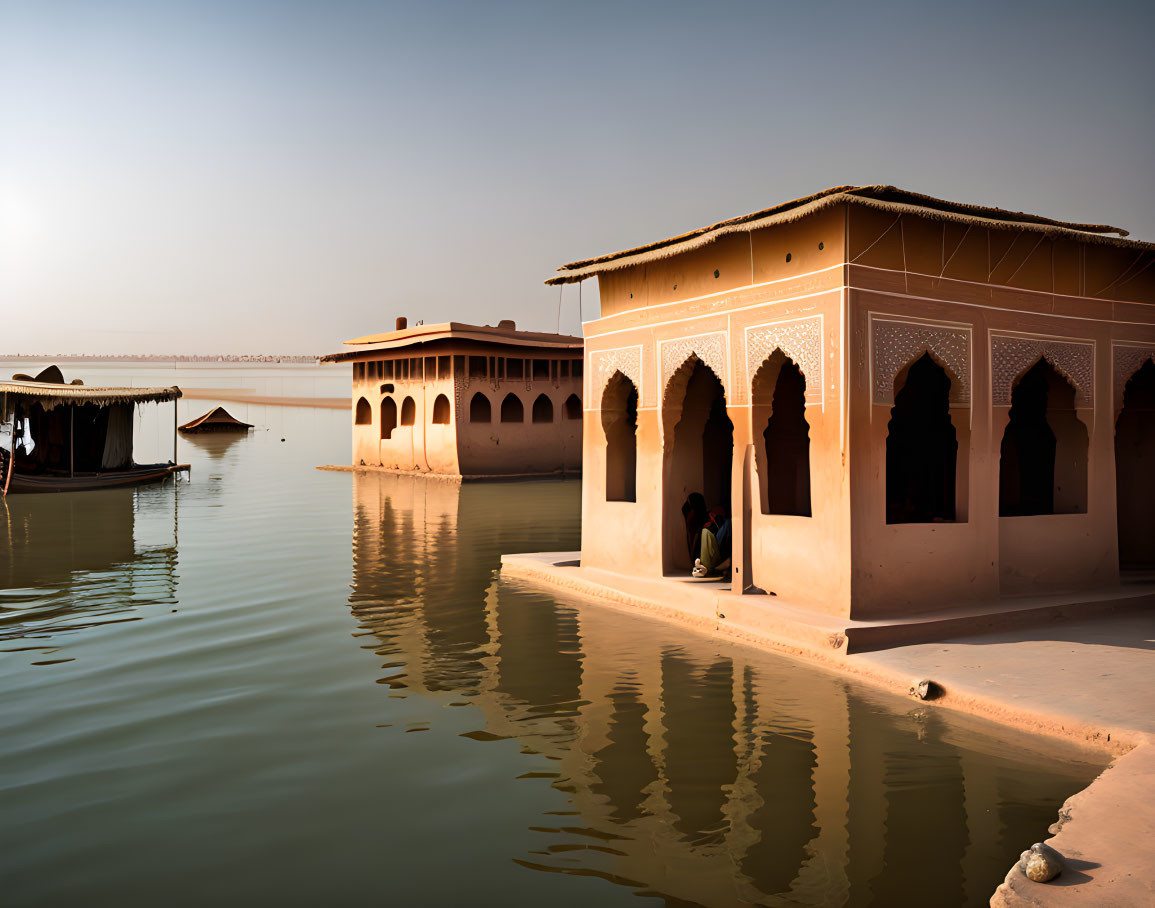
x=1011 y=356
x=896 y=344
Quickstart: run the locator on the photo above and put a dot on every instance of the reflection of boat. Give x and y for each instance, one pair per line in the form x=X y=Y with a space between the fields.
x=68 y=437
x=69 y=562
x=216 y=420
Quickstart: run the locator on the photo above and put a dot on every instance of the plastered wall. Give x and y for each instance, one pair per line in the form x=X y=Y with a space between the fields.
x=986 y=335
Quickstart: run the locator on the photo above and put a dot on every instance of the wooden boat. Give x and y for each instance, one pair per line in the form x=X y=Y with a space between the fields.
x=139 y=474
x=68 y=437
x=216 y=420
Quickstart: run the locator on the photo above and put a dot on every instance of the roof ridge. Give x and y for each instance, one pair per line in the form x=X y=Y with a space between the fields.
x=880 y=196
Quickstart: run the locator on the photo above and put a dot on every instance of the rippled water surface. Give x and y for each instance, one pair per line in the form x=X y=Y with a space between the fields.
x=275 y=685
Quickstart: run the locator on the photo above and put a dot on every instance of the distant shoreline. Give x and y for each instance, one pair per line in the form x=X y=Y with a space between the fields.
x=209 y=359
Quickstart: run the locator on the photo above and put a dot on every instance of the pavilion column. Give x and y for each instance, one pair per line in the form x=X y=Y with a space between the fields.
x=741 y=519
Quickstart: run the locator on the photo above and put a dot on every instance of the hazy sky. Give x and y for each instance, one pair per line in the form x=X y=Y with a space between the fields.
x=280 y=176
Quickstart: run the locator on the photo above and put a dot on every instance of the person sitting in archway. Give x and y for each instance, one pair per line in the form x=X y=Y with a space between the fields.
x=696 y=515
x=715 y=544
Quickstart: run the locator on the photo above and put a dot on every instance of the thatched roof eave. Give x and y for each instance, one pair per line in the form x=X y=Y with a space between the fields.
x=881 y=198
x=49 y=396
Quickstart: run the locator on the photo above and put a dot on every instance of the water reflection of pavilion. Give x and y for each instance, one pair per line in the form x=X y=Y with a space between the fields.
x=71 y=561
x=699 y=775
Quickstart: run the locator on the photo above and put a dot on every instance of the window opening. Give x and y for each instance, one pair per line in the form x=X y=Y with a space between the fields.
x=542 y=409
x=620 y=423
x=388 y=417
x=1043 y=456
x=512 y=409
x=921 y=448
x=479 y=408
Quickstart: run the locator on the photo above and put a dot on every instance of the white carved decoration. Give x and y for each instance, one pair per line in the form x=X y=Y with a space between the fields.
x=709 y=348
x=1012 y=355
x=800 y=339
x=604 y=363
x=1128 y=359
x=895 y=344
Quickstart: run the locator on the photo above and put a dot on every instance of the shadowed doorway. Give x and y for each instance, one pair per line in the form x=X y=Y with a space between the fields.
x=699 y=451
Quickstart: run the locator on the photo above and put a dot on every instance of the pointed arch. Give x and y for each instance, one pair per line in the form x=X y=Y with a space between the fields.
x=1043 y=455
x=573 y=407
x=441 y=410
x=388 y=417
x=620 y=423
x=781 y=436
x=512 y=409
x=698 y=449
x=480 y=409
x=542 y=409
x=408 y=412
x=362 y=413
x=921 y=445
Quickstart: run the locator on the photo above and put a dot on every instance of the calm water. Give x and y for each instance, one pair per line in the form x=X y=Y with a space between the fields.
x=275 y=685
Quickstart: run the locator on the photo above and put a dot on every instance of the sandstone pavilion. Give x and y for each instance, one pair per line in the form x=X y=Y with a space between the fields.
x=923 y=417
x=466 y=401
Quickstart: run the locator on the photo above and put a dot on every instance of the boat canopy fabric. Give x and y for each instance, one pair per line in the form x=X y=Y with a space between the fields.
x=54 y=395
x=118 y=441
x=882 y=198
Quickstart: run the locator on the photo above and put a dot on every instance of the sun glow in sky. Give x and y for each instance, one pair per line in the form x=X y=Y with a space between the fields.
x=279 y=176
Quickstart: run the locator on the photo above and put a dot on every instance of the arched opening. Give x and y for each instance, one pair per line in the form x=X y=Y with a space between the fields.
x=573 y=407
x=778 y=398
x=699 y=451
x=542 y=409
x=512 y=409
x=441 y=410
x=480 y=409
x=921 y=448
x=388 y=417
x=408 y=412
x=1135 y=470
x=1043 y=458
x=363 y=414
x=620 y=422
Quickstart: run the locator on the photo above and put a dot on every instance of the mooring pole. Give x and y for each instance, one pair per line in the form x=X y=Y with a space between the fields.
x=72 y=440
x=174 y=422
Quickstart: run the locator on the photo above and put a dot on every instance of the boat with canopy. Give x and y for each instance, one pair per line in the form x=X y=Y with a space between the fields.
x=69 y=437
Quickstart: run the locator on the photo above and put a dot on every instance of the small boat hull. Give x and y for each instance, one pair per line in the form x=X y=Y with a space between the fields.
x=84 y=482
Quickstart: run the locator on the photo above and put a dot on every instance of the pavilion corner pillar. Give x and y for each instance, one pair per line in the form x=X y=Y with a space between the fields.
x=741 y=522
